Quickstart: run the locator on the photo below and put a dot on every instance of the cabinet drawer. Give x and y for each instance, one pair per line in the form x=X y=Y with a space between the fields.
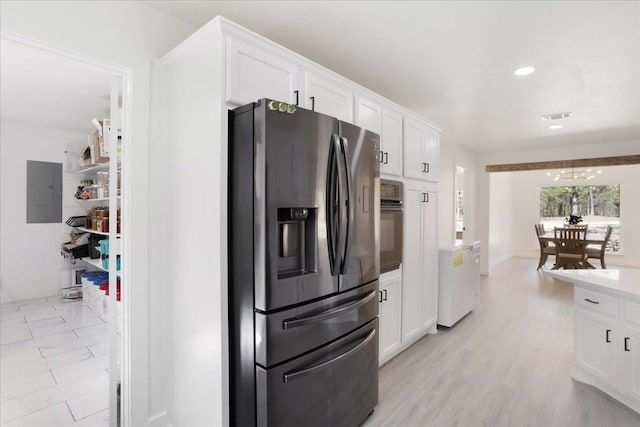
x=631 y=312
x=596 y=301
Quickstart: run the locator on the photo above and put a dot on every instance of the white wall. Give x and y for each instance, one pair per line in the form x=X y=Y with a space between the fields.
x=526 y=208
x=30 y=259
x=190 y=159
x=501 y=219
x=450 y=156
x=128 y=34
x=485 y=189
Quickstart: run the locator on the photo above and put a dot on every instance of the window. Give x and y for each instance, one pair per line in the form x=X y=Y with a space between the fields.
x=599 y=206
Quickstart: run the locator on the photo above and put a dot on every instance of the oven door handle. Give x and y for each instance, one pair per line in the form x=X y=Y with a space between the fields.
x=317 y=318
x=391 y=208
x=294 y=375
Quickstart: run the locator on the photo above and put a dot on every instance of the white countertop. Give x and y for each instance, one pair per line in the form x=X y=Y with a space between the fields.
x=623 y=281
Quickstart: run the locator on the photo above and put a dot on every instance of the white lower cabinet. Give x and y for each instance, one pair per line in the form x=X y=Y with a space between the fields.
x=409 y=297
x=630 y=362
x=630 y=349
x=390 y=298
x=420 y=262
x=607 y=344
x=595 y=344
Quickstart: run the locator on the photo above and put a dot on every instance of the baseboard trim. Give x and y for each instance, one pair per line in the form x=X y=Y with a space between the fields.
x=500 y=261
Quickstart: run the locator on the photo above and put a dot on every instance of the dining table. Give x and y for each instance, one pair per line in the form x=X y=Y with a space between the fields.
x=591 y=239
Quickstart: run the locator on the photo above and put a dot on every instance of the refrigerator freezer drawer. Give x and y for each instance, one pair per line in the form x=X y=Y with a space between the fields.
x=336 y=385
x=286 y=334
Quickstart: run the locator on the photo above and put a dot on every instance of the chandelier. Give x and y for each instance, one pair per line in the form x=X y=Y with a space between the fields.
x=587 y=174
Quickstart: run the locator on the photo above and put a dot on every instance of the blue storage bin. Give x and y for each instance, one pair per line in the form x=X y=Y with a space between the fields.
x=105 y=262
x=104 y=246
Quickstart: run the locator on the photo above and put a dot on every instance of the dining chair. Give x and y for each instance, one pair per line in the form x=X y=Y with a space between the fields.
x=570 y=248
x=546 y=249
x=598 y=252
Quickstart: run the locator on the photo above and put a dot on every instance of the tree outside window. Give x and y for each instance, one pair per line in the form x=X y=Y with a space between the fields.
x=599 y=206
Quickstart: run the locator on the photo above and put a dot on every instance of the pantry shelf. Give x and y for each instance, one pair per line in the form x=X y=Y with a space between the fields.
x=88 y=230
x=98 y=264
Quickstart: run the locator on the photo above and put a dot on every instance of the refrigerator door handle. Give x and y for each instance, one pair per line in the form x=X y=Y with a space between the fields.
x=342 y=201
x=292 y=323
x=334 y=211
x=294 y=375
x=348 y=219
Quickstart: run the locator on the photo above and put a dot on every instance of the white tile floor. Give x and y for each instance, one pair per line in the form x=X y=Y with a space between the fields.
x=53 y=362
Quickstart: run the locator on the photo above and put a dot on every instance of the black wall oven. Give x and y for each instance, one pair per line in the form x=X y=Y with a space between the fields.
x=390 y=225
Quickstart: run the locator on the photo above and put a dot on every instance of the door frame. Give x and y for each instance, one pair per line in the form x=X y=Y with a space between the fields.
x=125 y=73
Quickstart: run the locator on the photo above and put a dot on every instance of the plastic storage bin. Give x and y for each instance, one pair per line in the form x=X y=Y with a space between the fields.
x=104 y=250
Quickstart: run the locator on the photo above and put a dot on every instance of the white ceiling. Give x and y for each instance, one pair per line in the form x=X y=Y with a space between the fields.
x=453 y=62
x=44 y=89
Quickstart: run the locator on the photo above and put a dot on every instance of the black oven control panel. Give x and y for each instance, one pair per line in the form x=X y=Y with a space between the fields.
x=390 y=192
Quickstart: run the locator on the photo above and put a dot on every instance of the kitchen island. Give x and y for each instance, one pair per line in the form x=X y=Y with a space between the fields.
x=607 y=330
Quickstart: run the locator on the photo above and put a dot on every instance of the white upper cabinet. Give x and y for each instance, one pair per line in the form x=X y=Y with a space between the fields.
x=421 y=151
x=391 y=143
x=328 y=96
x=432 y=154
x=368 y=114
x=254 y=73
x=387 y=123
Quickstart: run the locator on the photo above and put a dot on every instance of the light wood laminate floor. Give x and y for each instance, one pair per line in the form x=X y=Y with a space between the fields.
x=508 y=363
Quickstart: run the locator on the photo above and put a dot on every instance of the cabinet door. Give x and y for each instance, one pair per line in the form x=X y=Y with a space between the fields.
x=629 y=348
x=414 y=140
x=412 y=260
x=391 y=142
x=429 y=259
x=390 y=308
x=595 y=342
x=431 y=154
x=368 y=115
x=253 y=73
x=329 y=97
x=421 y=151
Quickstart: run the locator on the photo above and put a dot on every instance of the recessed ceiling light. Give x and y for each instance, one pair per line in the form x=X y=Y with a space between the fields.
x=524 y=71
x=556 y=116
x=555 y=127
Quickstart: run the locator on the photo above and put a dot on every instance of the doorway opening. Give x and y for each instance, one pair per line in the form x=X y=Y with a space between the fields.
x=62 y=330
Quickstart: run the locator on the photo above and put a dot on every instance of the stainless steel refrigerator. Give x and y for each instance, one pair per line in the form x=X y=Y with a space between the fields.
x=303 y=268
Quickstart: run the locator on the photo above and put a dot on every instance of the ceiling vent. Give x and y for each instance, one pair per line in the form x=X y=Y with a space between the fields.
x=557 y=116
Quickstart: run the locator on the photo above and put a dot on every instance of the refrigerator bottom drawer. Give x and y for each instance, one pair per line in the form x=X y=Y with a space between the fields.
x=336 y=385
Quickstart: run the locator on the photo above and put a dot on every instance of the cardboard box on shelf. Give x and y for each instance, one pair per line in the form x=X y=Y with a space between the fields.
x=98 y=146
x=86 y=156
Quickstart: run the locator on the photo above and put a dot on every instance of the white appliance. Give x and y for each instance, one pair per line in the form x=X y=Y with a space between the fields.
x=459 y=282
